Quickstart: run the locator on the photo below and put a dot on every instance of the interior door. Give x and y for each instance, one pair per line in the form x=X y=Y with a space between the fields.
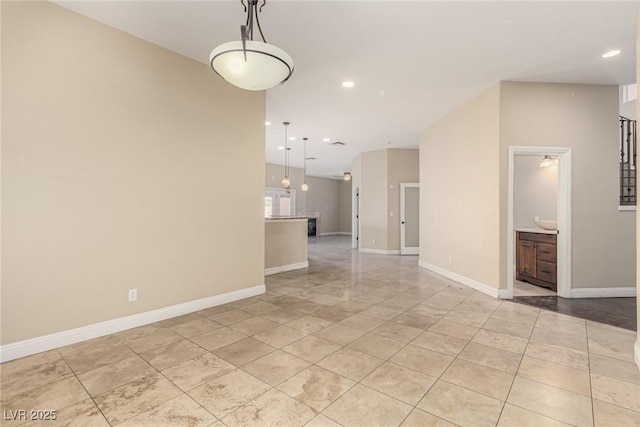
x=409 y=218
x=355 y=223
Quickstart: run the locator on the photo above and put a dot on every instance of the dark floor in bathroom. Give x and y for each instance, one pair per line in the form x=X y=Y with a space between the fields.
x=620 y=312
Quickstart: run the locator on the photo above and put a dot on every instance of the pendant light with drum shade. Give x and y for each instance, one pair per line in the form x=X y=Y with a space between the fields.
x=250 y=64
x=304 y=186
x=286 y=182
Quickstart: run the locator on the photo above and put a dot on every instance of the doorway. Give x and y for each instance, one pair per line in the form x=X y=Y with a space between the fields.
x=563 y=226
x=409 y=218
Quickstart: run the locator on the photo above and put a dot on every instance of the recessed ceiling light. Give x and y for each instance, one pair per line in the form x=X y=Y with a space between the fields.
x=292 y=138
x=267 y=123
x=611 y=53
x=348 y=84
x=280 y=147
x=326 y=139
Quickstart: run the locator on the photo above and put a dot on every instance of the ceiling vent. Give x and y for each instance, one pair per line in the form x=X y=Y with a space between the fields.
x=337 y=143
x=311 y=158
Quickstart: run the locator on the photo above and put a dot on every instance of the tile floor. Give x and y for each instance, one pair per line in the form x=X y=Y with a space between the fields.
x=355 y=340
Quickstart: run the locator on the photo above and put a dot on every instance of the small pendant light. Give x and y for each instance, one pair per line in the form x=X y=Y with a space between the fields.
x=304 y=185
x=285 y=179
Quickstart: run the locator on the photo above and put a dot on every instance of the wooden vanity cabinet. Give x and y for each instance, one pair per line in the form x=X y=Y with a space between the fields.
x=536 y=256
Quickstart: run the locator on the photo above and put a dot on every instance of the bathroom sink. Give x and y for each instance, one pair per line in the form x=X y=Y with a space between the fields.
x=547 y=225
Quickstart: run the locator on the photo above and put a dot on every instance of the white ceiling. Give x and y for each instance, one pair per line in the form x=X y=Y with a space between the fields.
x=412 y=62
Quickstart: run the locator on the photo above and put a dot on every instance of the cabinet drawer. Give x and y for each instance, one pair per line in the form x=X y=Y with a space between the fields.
x=546 y=271
x=538 y=237
x=546 y=252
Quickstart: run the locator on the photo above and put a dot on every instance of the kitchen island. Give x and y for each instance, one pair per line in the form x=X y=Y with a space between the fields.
x=286 y=244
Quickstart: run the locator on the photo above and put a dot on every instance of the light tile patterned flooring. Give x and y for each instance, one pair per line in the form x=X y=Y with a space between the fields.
x=355 y=340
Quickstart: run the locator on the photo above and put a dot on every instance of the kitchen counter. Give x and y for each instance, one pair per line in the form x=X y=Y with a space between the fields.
x=286 y=218
x=285 y=244
x=535 y=230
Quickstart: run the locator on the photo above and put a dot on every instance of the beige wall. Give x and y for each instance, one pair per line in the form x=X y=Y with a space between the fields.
x=403 y=167
x=116 y=160
x=585 y=118
x=379 y=174
x=461 y=216
x=459 y=191
x=535 y=191
x=345 y=206
x=373 y=200
x=273 y=179
x=285 y=242
x=323 y=198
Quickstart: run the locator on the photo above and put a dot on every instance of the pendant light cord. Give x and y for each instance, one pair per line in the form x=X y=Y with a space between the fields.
x=305 y=159
x=251 y=7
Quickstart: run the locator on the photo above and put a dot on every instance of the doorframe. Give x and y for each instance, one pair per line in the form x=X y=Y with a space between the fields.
x=404 y=250
x=355 y=222
x=564 y=216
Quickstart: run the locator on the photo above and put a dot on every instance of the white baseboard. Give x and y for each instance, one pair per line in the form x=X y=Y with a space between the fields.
x=336 y=233
x=381 y=251
x=505 y=294
x=59 y=339
x=636 y=352
x=625 y=292
x=283 y=268
x=478 y=286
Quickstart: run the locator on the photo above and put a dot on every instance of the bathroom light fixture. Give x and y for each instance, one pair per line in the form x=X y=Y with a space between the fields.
x=347 y=176
x=286 y=182
x=348 y=84
x=249 y=64
x=304 y=186
x=548 y=161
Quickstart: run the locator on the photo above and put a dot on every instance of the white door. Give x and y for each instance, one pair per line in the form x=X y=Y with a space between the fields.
x=409 y=218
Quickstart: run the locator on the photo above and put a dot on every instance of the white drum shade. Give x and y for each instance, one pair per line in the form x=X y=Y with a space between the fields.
x=266 y=65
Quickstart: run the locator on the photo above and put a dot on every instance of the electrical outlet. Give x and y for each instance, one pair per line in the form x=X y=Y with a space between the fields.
x=373 y=241
x=133 y=295
x=450 y=259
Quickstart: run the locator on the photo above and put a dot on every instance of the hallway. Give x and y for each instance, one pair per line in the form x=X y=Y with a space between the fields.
x=354 y=340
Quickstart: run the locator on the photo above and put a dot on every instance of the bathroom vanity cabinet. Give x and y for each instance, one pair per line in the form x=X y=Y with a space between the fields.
x=536 y=256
